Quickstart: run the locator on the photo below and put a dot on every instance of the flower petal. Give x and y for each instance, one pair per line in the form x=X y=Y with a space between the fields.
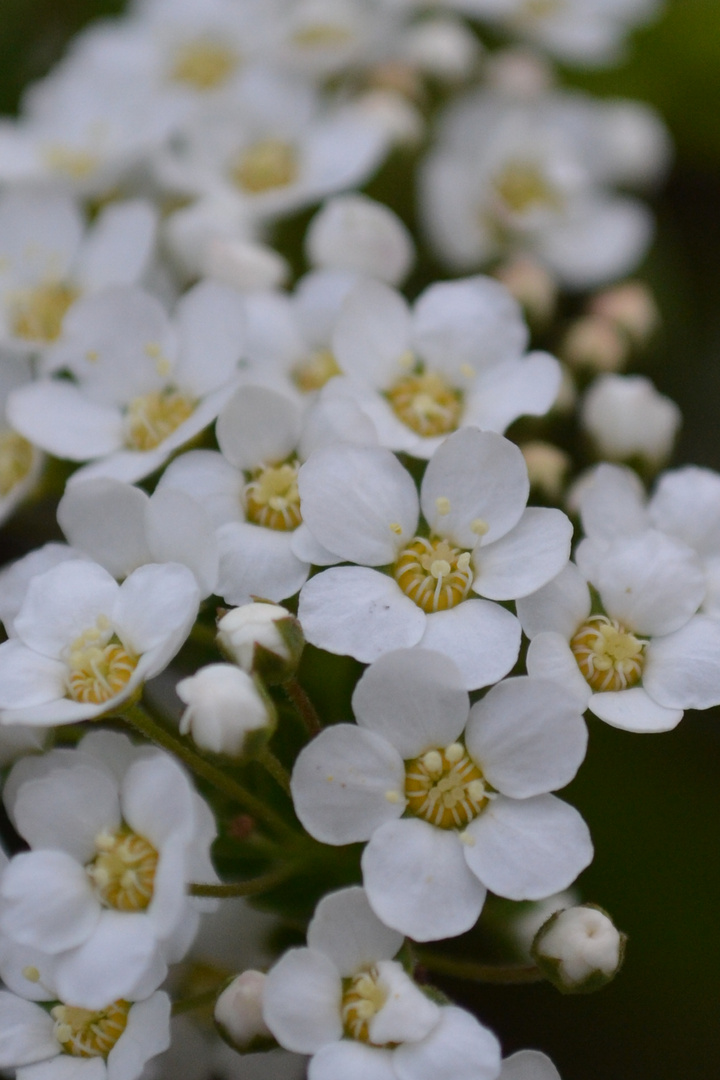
x=26 y=1032
x=526 y=558
x=301 y=1001
x=27 y=678
x=146 y=1035
x=459 y=1048
x=528 y=1065
x=106 y=519
x=481 y=638
x=62 y=604
x=347 y=930
x=372 y=334
x=255 y=561
x=633 y=710
x=561 y=606
x=682 y=670
x=352 y=1061
x=156 y=606
x=258 y=426
x=46 y=901
x=526 y=387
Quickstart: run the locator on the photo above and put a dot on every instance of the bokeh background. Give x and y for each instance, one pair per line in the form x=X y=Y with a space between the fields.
x=652 y=802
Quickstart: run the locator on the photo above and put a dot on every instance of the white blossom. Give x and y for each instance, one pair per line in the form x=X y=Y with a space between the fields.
x=626 y=417
x=224 y=707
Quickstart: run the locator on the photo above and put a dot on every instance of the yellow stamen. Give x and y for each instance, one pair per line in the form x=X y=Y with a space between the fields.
x=272 y=498
x=149 y=419
x=204 y=65
x=445 y=787
x=434 y=574
x=312 y=374
x=609 y=656
x=16 y=459
x=123 y=871
x=99 y=667
x=268 y=164
x=426 y=403
x=84 y=1033
x=37 y=314
x=363 y=998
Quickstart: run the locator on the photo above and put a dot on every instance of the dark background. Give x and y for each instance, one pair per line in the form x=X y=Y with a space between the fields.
x=652 y=802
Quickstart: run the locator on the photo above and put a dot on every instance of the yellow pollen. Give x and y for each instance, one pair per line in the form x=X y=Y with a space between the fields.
x=77 y=164
x=123 y=871
x=204 y=65
x=149 y=419
x=479 y=527
x=270 y=163
x=406 y=360
x=98 y=665
x=522 y=188
x=608 y=655
x=426 y=403
x=321 y=36
x=31 y=974
x=442 y=505
x=445 y=787
x=362 y=999
x=16 y=458
x=37 y=314
x=312 y=374
x=396 y=527
x=434 y=574
x=392 y=796
x=272 y=498
x=468 y=371
x=84 y=1033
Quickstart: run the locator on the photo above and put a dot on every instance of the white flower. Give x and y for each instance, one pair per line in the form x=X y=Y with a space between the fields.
x=224 y=706
x=361 y=505
x=82 y=644
x=451 y=805
x=145 y=383
x=454 y=360
x=116 y=832
x=627 y=417
x=528 y=1065
x=581 y=947
x=49 y=259
x=344 y=1000
x=353 y=232
x=645 y=655
x=112 y=1042
x=442 y=47
x=21 y=463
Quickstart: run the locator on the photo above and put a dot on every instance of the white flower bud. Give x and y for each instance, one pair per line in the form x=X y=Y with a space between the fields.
x=443 y=47
x=224 y=706
x=402 y=123
x=352 y=232
x=631 y=307
x=243 y=264
x=595 y=342
x=579 y=949
x=547 y=467
x=519 y=73
x=627 y=418
x=238 y=1012
x=532 y=285
x=262 y=638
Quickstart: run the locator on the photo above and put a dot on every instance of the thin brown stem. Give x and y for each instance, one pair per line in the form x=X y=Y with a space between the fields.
x=303 y=706
x=227 y=890
x=197 y=1001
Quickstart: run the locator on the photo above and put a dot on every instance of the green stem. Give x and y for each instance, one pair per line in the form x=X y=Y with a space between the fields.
x=227 y=890
x=276 y=769
x=507 y=974
x=198 y=1001
x=204 y=635
x=303 y=706
x=141 y=720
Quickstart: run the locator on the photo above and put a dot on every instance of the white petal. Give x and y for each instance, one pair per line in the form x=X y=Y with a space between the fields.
x=255 y=561
x=346 y=929
x=346 y=783
x=603 y=241
x=682 y=670
x=147 y=1034
x=355 y=611
x=26 y=1032
x=27 y=678
x=633 y=710
x=516 y=388
x=528 y=1065
x=56 y=416
x=47 y=901
x=651 y=582
x=372 y=334
x=65 y=1067
x=686 y=504
x=612 y=503
x=481 y=638
x=211 y=335
x=407 y=1015
x=417 y=880
x=359 y=502
x=528 y=736
x=561 y=606
x=118 y=248
x=110 y=962
x=352 y=1061
x=40 y=232
x=484 y=477
x=356 y=233
x=63 y=603
x=156 y=799
x=526 y=849
x=526 y=558
x=178 y=531
x=156 y=604
x=301 y=1001
x=459 y=1048
x=257 y=427
x=550 y=657
x=306 y=548
x=206 y=476
x=414 y=698
x=106 y=519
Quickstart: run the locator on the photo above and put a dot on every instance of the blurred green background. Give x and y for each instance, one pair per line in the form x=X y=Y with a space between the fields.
x=652 y=802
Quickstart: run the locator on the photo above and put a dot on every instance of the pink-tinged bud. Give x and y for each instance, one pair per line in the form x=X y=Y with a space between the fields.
x=547 y=468
x=532 y=285
x=239 y=1016
x=596 y=343
x=631 y=307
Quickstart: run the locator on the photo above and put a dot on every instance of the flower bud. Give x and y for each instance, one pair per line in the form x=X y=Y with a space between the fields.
x=547 y=468
x=532 y=285
x=263 y=639
x=595 y=342
x=239 y=1015
x=226 y=711
x=441 y=47
x=631 y=307
x=627 y=418
x=579 y=949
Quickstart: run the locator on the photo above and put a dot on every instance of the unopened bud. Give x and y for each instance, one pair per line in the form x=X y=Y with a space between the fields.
x=239 y=1015
x=227 y=713
x=628 y=419
x=532 y=285
x=595 y=342
x=262 y=638
x=631 y=307
x=547 y=468
x=519 y=73
x=579 y=949
x=441 y=47
x=243 y=264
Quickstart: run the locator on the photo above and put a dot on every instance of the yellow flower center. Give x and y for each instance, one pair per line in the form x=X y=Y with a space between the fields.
x=98 y=665
x=77 y=164
x=434 y=574
x=426 y=403
x=445 y=787
x=272 y=498
x=16 y=458
x=608 y=655
x=312 y=374
x=38 y=313
x=149 y=419
x=362 y=999
x=123 y=871
x=270 y=163
x=321 y=36
x=84 y=1033
x=204 y=65
x=522 y=187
